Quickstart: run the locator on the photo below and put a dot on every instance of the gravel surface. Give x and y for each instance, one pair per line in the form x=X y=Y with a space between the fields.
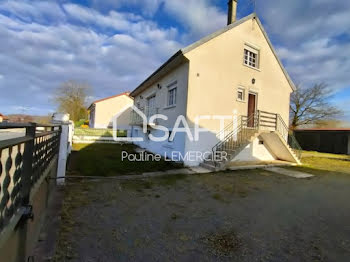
x=233 y=216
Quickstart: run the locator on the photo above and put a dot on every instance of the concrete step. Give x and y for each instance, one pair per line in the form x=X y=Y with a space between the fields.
x=211 y=167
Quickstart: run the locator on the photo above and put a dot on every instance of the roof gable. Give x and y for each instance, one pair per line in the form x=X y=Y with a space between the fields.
x=154 y=76
x=229 y=27
x=110 y=97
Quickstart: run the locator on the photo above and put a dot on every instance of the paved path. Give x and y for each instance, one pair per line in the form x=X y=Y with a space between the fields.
x=288 y=172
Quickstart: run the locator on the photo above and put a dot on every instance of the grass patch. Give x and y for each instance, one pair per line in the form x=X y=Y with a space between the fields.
x=140 y=185
x=218 y=197
x=307 y=154
x=99 y=132
x=106 y=160
x=327 y=164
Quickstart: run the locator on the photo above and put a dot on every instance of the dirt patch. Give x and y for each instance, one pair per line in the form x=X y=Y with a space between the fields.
x=224 y=244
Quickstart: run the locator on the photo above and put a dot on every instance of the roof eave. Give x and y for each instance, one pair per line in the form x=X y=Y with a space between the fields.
x=155 y=75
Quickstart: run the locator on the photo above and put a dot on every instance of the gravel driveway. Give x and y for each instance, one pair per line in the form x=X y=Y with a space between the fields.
x=232 y=216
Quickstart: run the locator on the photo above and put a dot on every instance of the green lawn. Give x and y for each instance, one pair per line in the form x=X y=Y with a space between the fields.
x=106 y=160
x=324 y=155
x=98 y=132
x=324 y=163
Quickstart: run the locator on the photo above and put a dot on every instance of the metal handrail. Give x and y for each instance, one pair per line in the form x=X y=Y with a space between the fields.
x=47 y=133
x=234 y=132
x=14 y=141
x=260 y=119
x=288 y=137
x=228 y=128
x=147 y=111
x=30 y=156
x=14 y=125
x=24 y=125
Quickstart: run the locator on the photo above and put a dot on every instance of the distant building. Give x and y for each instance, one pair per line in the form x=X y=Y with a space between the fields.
x=326 y=140
x=101 y=112
x=3 y=118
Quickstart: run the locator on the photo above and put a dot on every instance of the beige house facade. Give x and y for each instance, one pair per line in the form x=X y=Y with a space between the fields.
x=220 y=81
x=102 y=112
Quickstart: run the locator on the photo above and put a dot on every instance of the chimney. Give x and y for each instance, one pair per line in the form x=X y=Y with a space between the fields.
x=232 y=11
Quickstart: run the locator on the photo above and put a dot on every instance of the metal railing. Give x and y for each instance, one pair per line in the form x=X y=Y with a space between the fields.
x=238 y=137
x=136 y=119
x=262 y=120
x=288 y=137
x=22 y=162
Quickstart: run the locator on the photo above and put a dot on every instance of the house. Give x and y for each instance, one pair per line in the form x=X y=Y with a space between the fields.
x=326 y=140
x=101 y=112
x=3 y=118
x=233 y=81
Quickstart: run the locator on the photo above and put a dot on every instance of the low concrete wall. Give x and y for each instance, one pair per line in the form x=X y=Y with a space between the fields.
x=255 y=152
x=19 y=238
x=278 y=147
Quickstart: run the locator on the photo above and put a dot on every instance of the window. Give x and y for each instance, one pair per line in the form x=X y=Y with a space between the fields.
x=151 y=106
x=240 y=94
x=172 y=91
x=251 y=57
x=151 y=101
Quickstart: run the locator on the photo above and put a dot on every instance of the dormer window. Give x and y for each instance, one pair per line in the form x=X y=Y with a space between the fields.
x=251 y=57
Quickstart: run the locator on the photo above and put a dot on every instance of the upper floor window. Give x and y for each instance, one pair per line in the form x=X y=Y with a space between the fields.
x=251 y=57
x=172 y=92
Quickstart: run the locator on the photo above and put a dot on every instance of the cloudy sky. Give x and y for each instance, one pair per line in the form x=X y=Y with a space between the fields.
x=114 y=44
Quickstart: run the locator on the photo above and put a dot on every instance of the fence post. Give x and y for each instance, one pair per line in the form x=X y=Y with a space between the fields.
x=27 y=164
x=63 y=154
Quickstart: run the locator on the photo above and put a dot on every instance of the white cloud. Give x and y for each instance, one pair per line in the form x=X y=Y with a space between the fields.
x=39 y=57
x=48 y=42
x=201 y=17
x=39 y=11
x=308 y=34
x=148 y=7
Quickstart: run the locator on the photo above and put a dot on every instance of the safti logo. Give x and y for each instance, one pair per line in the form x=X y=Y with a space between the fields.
x=180 y=126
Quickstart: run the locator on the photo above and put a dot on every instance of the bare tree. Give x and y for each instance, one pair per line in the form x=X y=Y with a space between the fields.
x=332 y=123
x=71 y=97
x=310 y=105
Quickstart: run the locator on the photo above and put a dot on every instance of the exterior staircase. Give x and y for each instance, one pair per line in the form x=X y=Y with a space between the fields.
x=268 y=126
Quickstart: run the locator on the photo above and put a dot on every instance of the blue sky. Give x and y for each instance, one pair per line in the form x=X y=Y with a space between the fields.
x=114 y=44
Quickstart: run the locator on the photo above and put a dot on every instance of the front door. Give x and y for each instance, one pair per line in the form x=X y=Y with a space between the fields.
x=251 y=109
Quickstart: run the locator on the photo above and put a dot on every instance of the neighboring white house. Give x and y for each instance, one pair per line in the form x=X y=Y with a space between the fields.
x=234 y=73
x=3 y=118
x=101 y=112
